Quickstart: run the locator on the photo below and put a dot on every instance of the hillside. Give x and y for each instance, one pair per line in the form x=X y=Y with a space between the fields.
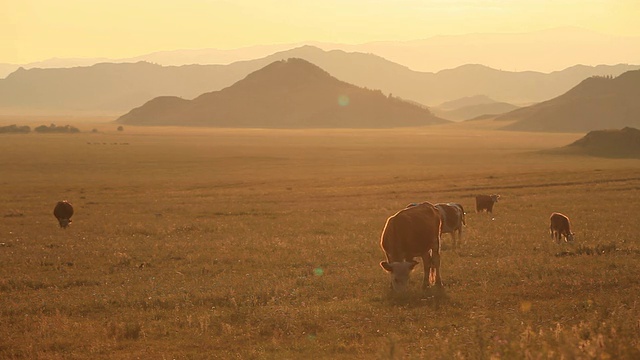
x=290 y=93
x=114 y=88
x=105 y=88
x=596 y=103
x=624 y=143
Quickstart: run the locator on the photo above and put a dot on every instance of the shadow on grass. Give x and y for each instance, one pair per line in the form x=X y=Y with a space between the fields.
x=596 y=250
x=433 y=297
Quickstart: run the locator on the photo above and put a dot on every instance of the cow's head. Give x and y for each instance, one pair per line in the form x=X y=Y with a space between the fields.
x=399 y=271
x=64 y=222
x=569 y=237
x=495 y=198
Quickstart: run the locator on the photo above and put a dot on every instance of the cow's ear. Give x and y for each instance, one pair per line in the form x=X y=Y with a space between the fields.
x=413 y=264
x=385 y=265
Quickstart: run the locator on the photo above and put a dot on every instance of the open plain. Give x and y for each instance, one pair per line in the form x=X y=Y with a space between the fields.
x=191 y=243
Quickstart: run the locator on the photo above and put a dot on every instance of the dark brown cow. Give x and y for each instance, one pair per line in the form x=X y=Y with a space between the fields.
x=412 y=232
x=63 y=212
x=485 y=202
x=560 y=227
x=453 y=219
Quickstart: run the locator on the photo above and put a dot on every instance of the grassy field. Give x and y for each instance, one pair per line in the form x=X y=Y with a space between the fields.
x=264 y=244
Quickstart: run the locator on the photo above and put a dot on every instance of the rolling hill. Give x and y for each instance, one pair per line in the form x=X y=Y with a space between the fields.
x=289 y=93
x=596 y=103
x=115 y=88
x=624 y=143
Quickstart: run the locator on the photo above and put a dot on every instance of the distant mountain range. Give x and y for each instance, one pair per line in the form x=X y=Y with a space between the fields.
x=511 y=52
x=108 y=88
x=289 y=93
x=595 y=103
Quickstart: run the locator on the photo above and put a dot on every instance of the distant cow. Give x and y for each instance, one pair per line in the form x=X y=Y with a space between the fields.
x=559 y=227
x=412 y=232
x=485 y=202
x=453 y=219
x=63 y=212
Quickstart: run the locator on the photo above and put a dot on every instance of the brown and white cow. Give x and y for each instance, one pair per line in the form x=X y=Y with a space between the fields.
x=63 y=212
x=485 y=202
x=412 y=232
x=559 y=227
x=453 y=220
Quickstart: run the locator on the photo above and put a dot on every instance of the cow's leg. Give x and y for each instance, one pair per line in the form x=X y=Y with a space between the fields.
x=426 y=261
x=435 y=266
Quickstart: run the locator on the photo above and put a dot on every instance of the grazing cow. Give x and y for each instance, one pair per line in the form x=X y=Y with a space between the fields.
x=412 y=232
x=560 y=227
x=63 y=212
x=485 y=202
x=453 y=219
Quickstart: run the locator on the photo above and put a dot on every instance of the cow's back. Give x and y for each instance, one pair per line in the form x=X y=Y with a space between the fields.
x=451 y=217
x=411 y=232
x=560 y=222
x=63 y=210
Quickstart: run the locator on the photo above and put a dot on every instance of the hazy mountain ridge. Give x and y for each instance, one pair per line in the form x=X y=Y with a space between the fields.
x=473 y=111
x=570 y=45
x=595 y=103
x=289 y=93
x=471 y=107
x=466 y=101
x=511 y=51
x=115 y=88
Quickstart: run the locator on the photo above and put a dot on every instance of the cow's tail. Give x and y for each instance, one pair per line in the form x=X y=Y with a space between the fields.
x=438 y=224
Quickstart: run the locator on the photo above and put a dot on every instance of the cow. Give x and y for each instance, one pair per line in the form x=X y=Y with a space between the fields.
x=452 y=215
x=412 y=232
x=559 y=227
x=63 y=212
x=485 y=202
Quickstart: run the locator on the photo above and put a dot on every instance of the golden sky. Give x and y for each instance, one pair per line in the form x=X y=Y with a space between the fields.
x=34 y=30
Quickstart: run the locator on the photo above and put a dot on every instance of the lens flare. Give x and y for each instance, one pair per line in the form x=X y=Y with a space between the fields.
x=318 y=272
x=343 y=100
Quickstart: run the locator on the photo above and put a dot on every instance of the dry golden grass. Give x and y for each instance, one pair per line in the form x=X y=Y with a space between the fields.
x=209 y=243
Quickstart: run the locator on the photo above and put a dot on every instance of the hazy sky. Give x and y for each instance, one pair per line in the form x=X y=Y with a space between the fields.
x=34 y=30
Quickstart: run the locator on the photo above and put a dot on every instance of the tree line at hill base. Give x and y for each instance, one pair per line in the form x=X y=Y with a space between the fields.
x=53 y=128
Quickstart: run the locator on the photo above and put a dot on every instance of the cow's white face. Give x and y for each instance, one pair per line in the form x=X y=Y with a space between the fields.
x=569 y=237
x=495 y=198
x=399 y=272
